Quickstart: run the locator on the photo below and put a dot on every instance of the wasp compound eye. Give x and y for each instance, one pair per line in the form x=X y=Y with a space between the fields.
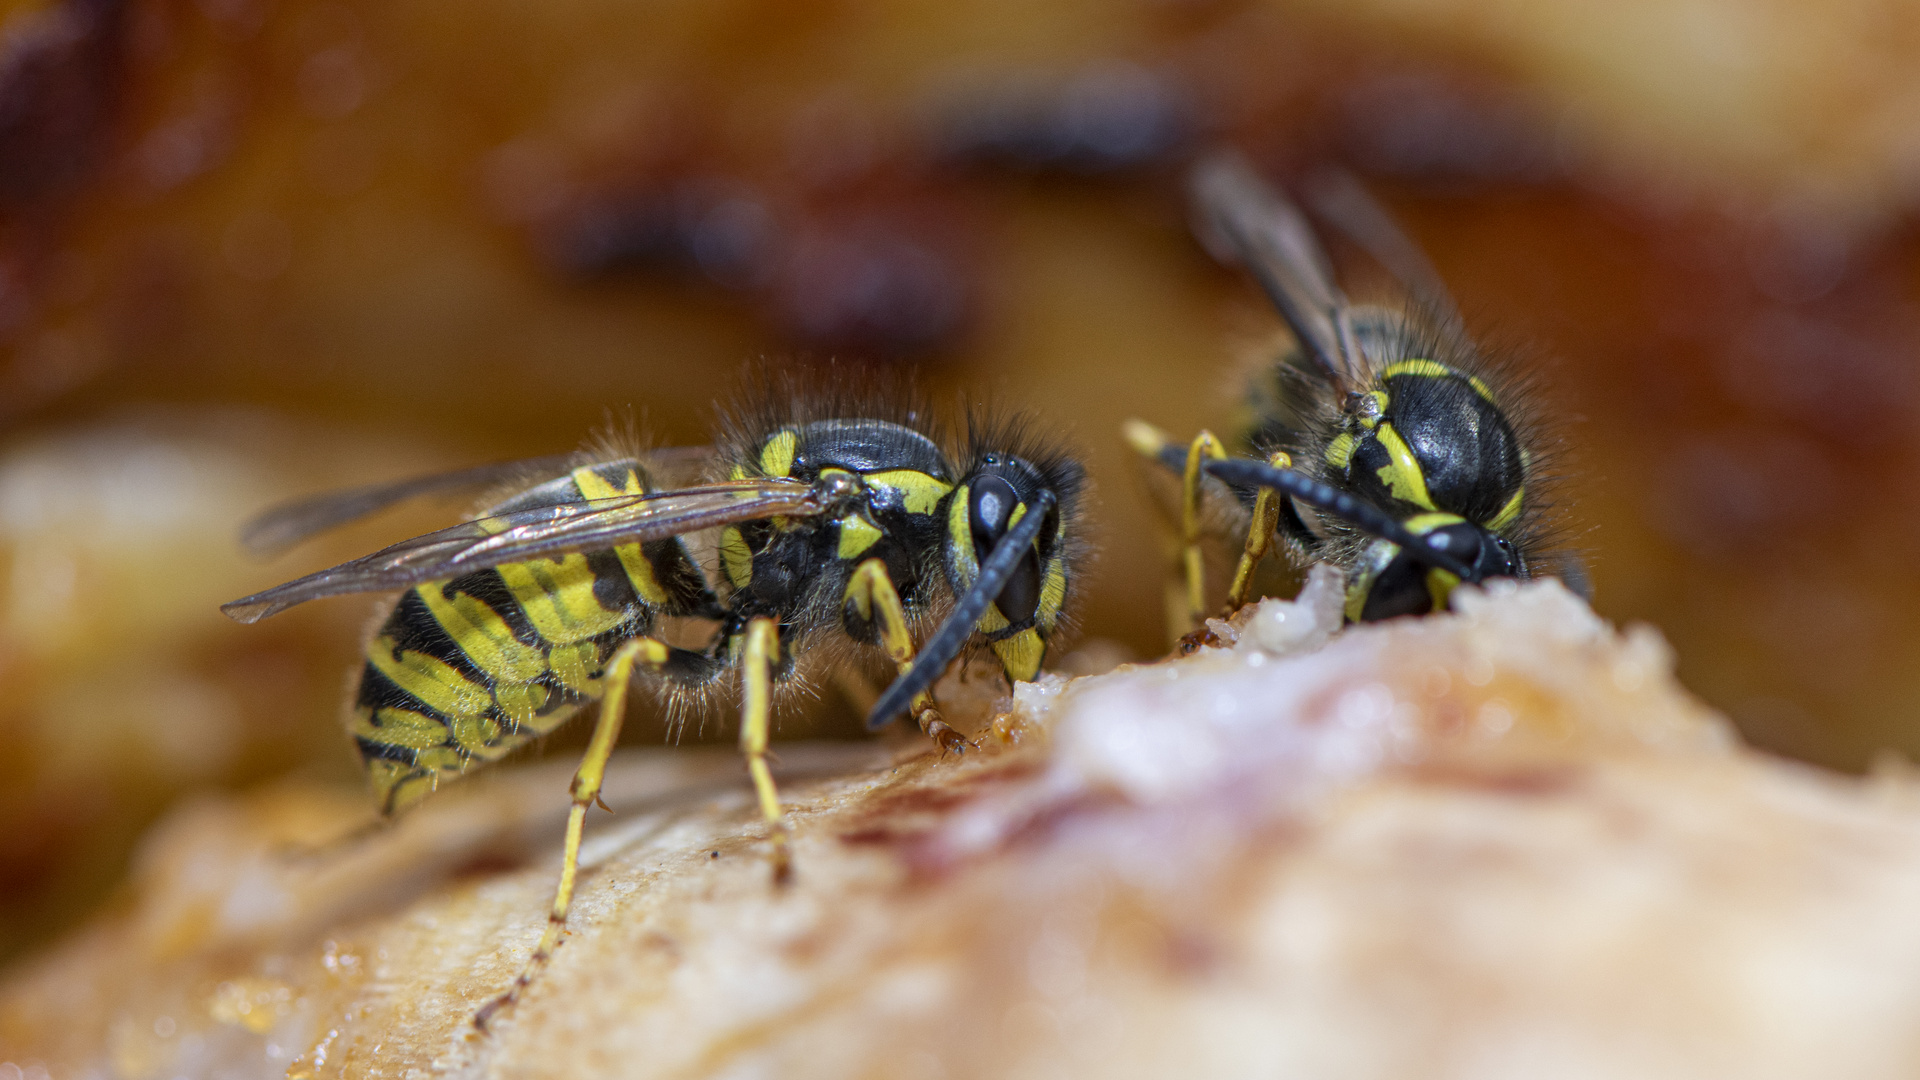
x=990 y=515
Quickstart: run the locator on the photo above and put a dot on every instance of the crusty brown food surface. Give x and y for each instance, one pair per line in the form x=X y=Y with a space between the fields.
x=1498 y=844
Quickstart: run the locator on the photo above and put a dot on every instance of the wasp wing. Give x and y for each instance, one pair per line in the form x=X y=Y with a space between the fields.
x=281 y=527
x=1242 y=220
x=1343 y=202
x=588 y=525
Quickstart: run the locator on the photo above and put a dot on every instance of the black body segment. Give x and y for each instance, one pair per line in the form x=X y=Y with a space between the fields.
x=465 y=671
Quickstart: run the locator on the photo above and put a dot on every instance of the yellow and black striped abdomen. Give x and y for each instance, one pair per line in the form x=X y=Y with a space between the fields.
x=465 y=671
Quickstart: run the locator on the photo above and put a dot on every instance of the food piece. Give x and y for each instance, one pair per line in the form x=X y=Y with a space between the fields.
x=1497 y=843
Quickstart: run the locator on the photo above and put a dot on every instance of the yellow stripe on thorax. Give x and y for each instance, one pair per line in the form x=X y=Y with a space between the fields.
x=919 y=492
x=1509 y=512
x=735 y=557
x=776 y=454
x=1433 y=369
x=856 y=536
x=634 y=561
x=1402 y=473
x=1340 y=450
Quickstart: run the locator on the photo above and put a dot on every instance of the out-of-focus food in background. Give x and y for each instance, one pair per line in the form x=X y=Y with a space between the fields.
x=341 y=242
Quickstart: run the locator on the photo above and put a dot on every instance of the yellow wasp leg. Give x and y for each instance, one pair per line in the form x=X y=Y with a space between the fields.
x=1184 y=583
x=756 y=677
x=874 y=597
x=1266 y=518
x=1203 y=444
x=586 y=792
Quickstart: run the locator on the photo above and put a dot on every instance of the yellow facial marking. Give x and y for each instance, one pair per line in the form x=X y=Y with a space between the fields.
x=1021 y=655
x=1340 y=450
x=919 y=493
x=1053 y=594
x=639 y=571
x=991 y=621
x=1508 y=513
x=776 y=455
x=1440 y=586
x=856 y=536
x=1402 y=473
x=960 y=536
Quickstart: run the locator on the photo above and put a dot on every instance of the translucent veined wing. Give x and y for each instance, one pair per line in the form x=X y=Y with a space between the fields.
x=1343 y=202
x=587 y=525
x=1242 y=220
x=281 y=527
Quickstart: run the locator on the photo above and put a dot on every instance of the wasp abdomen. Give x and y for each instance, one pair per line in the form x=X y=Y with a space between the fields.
x=466 y=671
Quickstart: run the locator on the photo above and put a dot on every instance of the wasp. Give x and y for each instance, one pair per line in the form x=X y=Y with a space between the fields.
x=836 y=520
x=1379 y=442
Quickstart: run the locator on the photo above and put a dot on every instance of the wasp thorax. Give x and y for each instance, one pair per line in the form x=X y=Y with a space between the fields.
x=838 y=487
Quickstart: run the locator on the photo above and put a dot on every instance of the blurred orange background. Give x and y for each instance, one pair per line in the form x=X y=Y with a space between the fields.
x=253 y=249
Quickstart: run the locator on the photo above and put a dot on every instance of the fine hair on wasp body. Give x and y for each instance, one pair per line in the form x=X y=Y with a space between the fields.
x=1384 y=442
x=842 y=522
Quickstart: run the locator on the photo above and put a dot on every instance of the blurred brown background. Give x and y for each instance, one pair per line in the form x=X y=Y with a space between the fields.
x=252 y=249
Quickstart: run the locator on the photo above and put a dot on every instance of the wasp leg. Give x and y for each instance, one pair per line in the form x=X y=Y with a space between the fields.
x=1266 y=521
x=1204 y=446
x=870 y=590
x=756 y=676
x=586 y=791
x=1183 y=583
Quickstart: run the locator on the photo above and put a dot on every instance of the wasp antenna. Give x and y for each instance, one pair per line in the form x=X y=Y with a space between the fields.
x=1361 y=515
x=932 y=660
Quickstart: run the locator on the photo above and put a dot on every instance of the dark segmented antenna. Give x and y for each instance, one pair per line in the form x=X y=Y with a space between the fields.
x=930 y=662
x=1363 y=516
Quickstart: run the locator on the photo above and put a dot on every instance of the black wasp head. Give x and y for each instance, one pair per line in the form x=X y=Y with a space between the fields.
x=1407 y=584
x=997 y=487
x=1489 y=555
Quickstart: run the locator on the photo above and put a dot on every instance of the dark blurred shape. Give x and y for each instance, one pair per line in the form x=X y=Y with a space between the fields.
x=1442 y=131
x=878 y=271
x=1745 y=492
x=873 y=288
x=59 y=79
x=1817 y=366
x=1797 y=256
x=1109 y=117
x=719 y=229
